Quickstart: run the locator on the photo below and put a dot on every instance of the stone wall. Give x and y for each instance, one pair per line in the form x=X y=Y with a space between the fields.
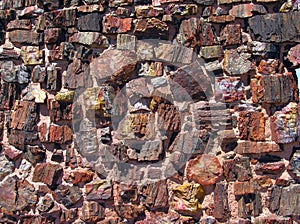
x=162 y=111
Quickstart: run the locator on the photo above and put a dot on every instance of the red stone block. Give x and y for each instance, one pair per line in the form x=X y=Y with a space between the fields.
x=52 y=35
x=208 y=35
x=251 y=147
x=113 y=24
x=60 y=134
x=205 y=169
x=242 y=188
x=251 y=125
x=231 y=34
x=23 y=24
x=268 y=67
x=47 y=173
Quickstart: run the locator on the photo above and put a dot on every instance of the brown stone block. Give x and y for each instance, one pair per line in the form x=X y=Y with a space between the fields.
x=60 y=134
x=113 y=24
x=48 y=173
x=250 y=147
x=251 y=125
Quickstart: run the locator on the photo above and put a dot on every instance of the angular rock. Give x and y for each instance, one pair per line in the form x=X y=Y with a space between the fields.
x=34 y=154
x=94 y=39
x=112 y=64
x=126 y=42
x=237 y=169
x=38 y=74
x=276 y=27
x=75 y=77
x=294 y=55
x=229 y=89
x=144 y=11
x=90 y=22
x=90 y=8
x=17 y=195
x=188 y=32
x=48 y=173
x=168 y=118
x=60 y=111
x=236 y=63
x=34 y=92
x=210 y=52
x=22 y=74
x=174 y=54
x=60 y=134
x=6 y=167
x=24 y=37
x=294 y=165
x=263 y=49
x=278 y=88
x=268 y=67
x=270 y=168
x=67 y=195
x=187 y=198
x=113 y=24
x=208 y=35
x=52 y=35
x=289 y=201
x=78 y=177
x=251 y=125
x=221 y=19
x=242 y=188
x=116 y=3
x=221 y=208
x=249 y=147
x=11 y=152
x=151 y=28
x=61 y=18
x=249 y=205
x=231 y=34
x=43 y=132
x=23 y=24
x=92 y=211
x=25 y=116
x=205 y=169
x=66 y=97
x=52 y=77
x=20 y=139
x=285 y=125
x=159 y=2
x=155 y=195
x=98 y=190
x=151 y=69
x=246 y=10
x=271 y=218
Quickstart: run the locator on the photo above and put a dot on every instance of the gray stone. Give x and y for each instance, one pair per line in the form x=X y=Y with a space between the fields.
x=276 y=27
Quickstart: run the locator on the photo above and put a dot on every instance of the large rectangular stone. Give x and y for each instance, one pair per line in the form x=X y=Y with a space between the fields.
x=276 y=27
x=26 y=37
x=278 y=88
x=90 y=22
x=250 y=147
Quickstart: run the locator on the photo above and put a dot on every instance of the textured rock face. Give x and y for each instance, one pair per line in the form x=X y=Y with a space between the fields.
x=149 y=111
x=276 y=27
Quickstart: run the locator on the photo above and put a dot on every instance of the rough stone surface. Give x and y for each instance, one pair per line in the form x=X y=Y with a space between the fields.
x=149 y=111
x=264 y=91
x=275 y=27
x=47 y=173
x=205 y=170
